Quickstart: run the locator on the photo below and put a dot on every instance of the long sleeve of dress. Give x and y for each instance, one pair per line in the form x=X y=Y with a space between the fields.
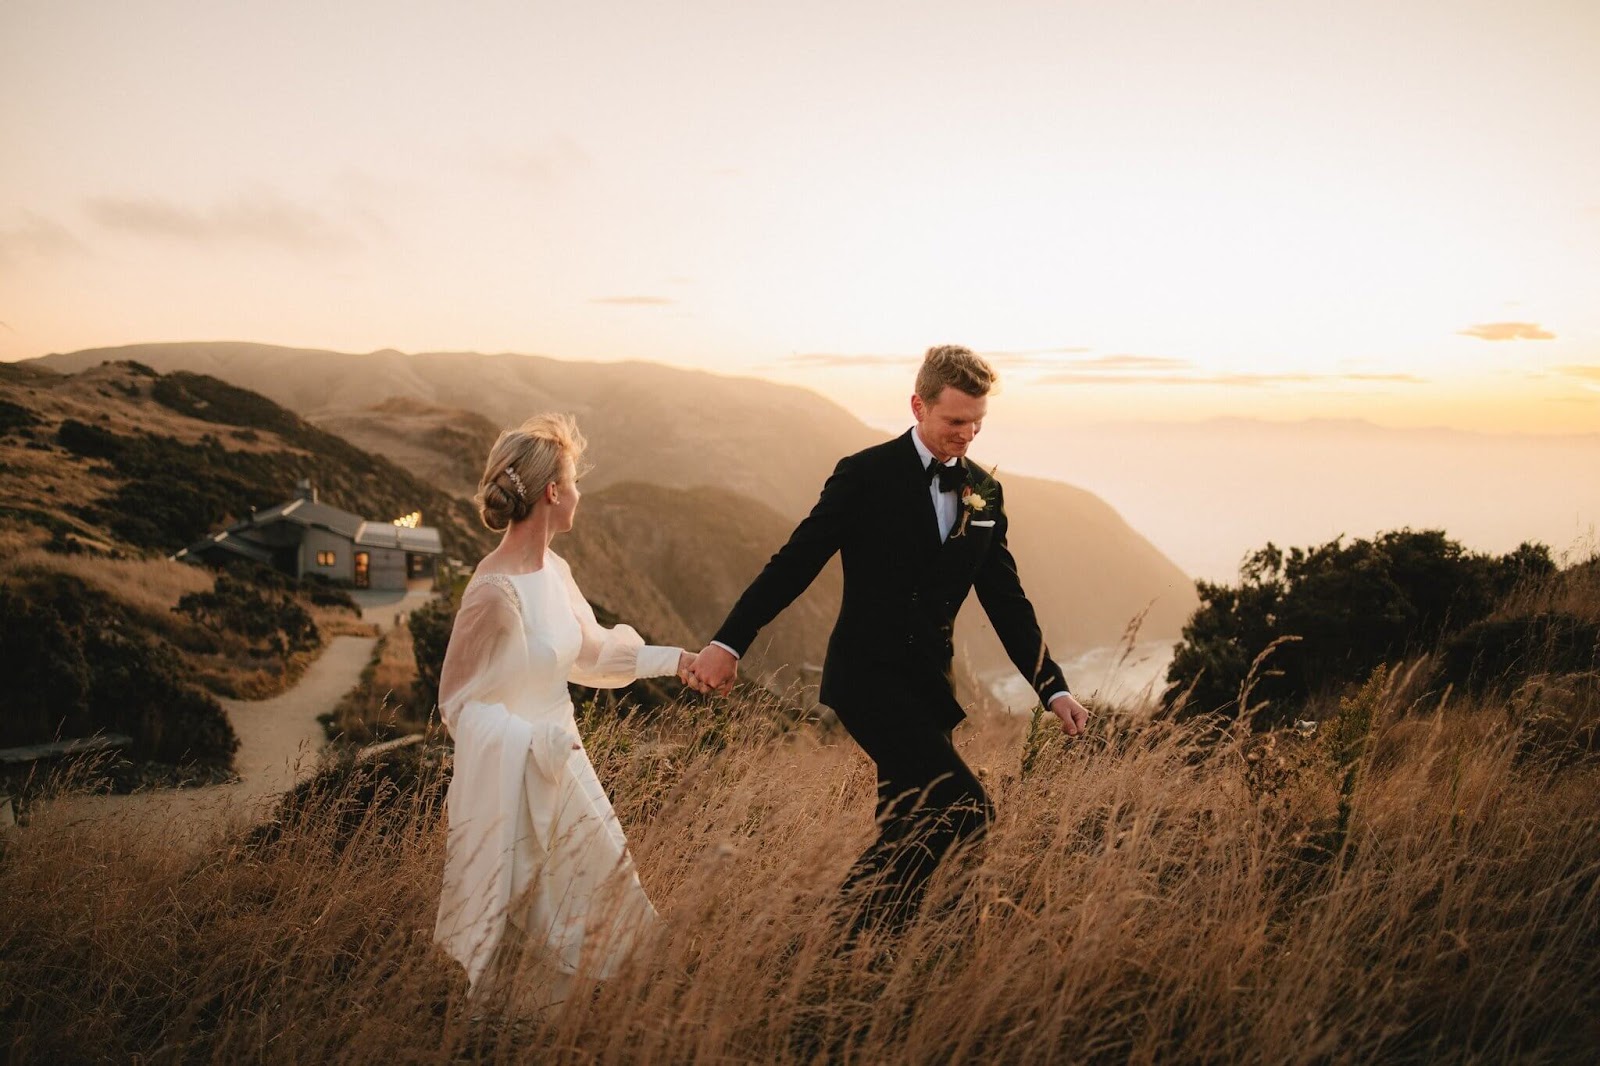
x=615 y=656
x=486 y=654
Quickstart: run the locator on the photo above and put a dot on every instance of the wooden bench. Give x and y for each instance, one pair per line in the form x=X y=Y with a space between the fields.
x=75 y=746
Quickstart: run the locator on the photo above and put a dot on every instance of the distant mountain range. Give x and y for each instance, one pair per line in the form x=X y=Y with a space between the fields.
x=697 y=478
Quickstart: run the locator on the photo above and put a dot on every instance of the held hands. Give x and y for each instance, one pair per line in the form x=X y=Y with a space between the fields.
x=1074 y=716
x=713 y=670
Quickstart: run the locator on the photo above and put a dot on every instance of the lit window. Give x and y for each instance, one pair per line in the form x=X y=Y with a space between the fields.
x=325 y=558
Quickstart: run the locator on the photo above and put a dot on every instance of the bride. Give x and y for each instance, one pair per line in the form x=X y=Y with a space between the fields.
x=535 y=860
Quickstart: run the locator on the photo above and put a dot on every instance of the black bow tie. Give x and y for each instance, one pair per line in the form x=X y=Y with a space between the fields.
x=950 y=477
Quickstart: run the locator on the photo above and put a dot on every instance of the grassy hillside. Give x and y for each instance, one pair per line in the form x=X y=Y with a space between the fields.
x=105 y=473
x=443 y=446
x=158 y=461
x=1417 y=882
x=1088 y=571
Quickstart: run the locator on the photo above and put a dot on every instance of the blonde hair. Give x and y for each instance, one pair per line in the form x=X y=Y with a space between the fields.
x=521 y=463
x=950 y=365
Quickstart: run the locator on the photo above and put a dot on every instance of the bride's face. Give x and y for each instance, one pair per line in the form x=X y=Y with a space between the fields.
x=565 y=506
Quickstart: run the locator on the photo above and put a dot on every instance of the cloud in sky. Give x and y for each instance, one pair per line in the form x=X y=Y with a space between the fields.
x=1030 y=354
x=547 y=164
x=260 y=218
x=1093 y=376
x=634 y=301
x=35 y=237
x=1588 y=376
x=1508 y=331
x=844 y=360
x=1115 y=369
x=1012 y=360
x=1130 y=362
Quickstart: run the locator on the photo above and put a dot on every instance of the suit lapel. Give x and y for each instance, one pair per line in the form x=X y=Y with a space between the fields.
x=924 y=521
x=954 y=545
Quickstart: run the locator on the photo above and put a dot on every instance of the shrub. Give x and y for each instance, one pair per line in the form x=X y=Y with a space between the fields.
x=15 y=416
x=430 y=635
x=48 y=677
x=1351 y=606
x=91 y=442
x=139 y=688
x=79 y=667
x=212 y=400
x=1495 y=655
x=272 y=621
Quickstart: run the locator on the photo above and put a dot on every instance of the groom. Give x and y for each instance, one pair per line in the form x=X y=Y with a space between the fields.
x=918 y=527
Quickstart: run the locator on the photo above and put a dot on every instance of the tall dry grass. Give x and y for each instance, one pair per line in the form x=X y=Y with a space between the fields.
x=382 y=705
x=150 y=586
x=1413 y=884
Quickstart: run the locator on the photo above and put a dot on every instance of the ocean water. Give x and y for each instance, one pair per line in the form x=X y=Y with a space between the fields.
x=1109 y=674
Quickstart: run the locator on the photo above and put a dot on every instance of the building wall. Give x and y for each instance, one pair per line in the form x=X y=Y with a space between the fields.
x=320 y=540
x=387 y=569
x=420 y=565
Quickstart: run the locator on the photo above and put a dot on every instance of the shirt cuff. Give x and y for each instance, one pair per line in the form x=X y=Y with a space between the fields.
x=1053 y=696
x=727 y=649
x=657 y=661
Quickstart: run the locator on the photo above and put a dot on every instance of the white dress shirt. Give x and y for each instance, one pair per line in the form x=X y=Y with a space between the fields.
x=945 y=504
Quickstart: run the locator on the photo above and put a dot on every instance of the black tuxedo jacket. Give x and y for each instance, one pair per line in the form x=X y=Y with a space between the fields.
x=889 y=659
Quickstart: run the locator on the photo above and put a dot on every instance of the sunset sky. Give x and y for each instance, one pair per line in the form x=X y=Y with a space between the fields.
x=1164 y=210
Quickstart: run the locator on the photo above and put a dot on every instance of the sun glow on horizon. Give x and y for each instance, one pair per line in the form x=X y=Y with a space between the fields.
x=1180 y=212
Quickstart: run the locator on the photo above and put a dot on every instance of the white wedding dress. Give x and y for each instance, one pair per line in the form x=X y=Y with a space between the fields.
x=533 y=842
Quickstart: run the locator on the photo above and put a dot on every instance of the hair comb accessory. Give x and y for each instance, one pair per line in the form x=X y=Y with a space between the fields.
x=516 y=482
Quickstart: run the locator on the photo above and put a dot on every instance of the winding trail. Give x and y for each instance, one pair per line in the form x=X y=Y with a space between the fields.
x=279 y=739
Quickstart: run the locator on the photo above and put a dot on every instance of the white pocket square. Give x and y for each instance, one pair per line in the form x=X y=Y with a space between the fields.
x=984 y=524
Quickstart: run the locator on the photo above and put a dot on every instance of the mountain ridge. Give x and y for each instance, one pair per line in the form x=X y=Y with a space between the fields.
x=1088 y=572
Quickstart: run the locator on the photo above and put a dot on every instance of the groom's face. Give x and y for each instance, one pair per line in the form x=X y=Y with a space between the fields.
x=951 y=422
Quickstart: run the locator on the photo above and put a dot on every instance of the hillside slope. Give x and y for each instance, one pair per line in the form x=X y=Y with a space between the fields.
x=161 y=460
x=1089 y=573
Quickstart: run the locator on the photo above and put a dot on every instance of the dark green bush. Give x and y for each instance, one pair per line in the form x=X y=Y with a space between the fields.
x=1497 y=654
x=91 y=442
x=1350 y=607
x=213 y=400
x=48 y=679
x=78 y=666
x=139 y=688
x=272 y=621
x=15 y=416
x=430 y=634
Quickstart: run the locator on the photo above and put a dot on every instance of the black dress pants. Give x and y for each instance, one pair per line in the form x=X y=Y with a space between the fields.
x=929 y=804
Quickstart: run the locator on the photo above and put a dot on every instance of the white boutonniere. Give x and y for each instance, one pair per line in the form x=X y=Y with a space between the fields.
x=975 y=501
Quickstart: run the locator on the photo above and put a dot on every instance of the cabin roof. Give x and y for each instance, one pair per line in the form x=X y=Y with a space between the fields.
x=308 y=514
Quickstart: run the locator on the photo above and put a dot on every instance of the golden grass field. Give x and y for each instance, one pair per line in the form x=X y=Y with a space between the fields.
x=1150 y=892
x=381 y=704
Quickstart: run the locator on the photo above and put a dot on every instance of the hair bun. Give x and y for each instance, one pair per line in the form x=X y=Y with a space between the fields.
x=498 y=508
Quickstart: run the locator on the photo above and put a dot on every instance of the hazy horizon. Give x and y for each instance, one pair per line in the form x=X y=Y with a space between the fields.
x=1155 y=215
x=1207 y=491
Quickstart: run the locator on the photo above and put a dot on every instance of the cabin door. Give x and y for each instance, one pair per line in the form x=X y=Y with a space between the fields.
x=363 y=577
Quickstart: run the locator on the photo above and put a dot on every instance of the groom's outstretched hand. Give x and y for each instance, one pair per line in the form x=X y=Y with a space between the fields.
x=713 y=669
x=1074 y=716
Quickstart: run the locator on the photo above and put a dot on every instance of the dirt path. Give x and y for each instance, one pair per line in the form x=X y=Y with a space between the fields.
x=278 y=743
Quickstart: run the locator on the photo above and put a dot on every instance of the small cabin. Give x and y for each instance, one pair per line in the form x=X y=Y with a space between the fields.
x=305 y=536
